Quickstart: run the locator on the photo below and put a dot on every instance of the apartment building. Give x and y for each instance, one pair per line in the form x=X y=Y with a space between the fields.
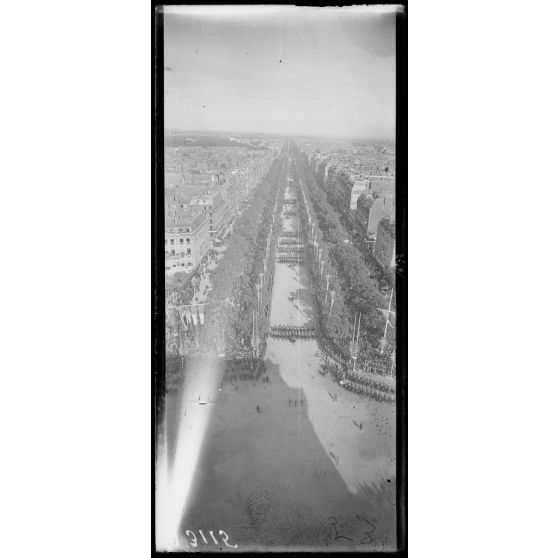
x=187 y=239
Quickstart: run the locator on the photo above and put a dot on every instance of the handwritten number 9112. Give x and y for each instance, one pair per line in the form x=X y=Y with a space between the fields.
x=194 y=540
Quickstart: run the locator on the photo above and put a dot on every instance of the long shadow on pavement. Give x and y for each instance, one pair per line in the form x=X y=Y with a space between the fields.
x=266 y=480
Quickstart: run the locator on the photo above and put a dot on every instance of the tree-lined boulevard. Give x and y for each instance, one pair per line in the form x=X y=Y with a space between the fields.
x=288 y=455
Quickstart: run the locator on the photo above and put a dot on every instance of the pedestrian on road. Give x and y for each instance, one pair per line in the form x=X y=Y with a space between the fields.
x=289 y=401
x=257 y=409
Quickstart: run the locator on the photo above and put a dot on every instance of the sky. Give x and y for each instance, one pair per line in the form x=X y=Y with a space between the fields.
x=280 y=70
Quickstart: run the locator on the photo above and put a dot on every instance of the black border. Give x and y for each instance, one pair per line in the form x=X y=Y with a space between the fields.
x=158 y=267
x=401 y=220
x=157 y=234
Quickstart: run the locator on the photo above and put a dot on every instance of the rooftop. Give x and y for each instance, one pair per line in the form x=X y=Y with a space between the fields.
x=172 y=179
x=191 y=216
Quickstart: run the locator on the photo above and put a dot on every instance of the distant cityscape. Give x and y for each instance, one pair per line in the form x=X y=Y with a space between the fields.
x=209 y=178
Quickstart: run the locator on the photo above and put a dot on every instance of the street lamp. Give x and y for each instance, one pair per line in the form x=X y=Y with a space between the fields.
x=387 y=312
x=353 y=345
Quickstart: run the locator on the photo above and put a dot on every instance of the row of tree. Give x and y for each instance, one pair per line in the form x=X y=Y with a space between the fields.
x=358 y=234
x=342 y=270
x=237 y=280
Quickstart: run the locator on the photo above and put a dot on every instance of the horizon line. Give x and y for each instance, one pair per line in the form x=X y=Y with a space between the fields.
x=279 y=134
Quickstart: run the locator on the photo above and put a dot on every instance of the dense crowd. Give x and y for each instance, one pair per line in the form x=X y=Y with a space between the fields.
x=359 y=382
x=370 y=392
x=244 y=369
x=290 y=240
x=173 y=373
x=291 y=332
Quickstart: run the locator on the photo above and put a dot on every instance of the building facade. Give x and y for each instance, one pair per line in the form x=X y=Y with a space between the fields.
x=187 y=239
x=213 y=205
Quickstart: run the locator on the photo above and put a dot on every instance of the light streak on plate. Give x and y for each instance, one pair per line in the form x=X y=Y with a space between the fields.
x=173 y=488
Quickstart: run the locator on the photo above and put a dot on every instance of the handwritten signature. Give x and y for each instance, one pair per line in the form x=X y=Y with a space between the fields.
x=368 y=539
